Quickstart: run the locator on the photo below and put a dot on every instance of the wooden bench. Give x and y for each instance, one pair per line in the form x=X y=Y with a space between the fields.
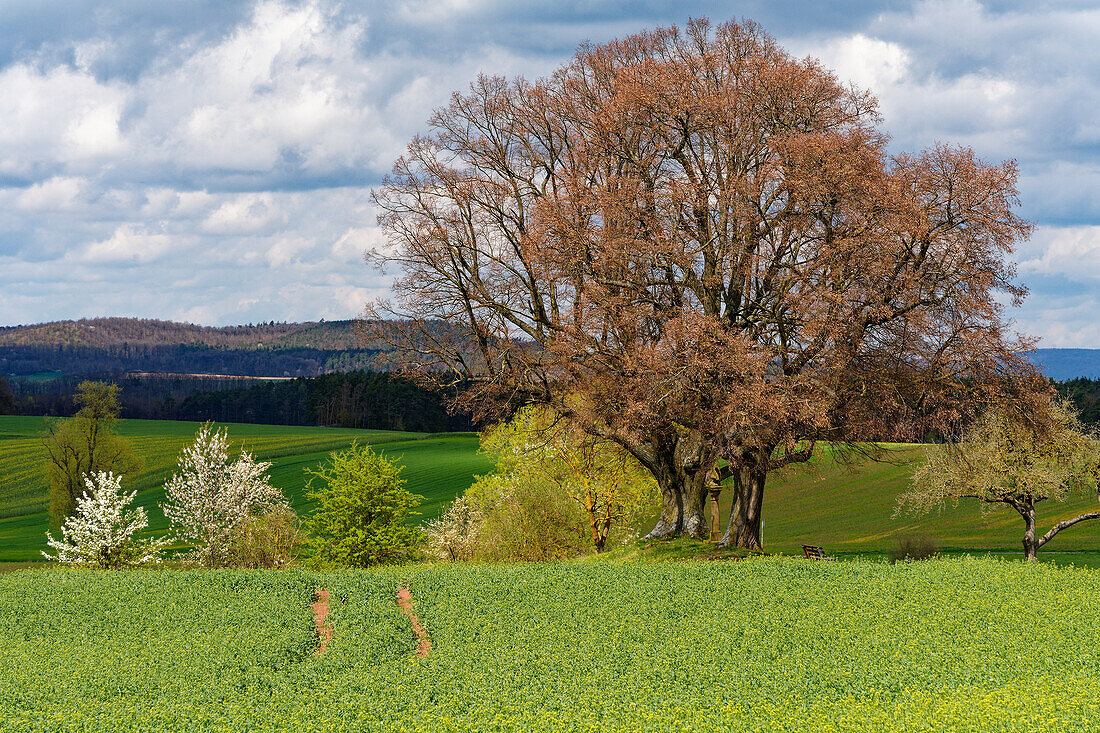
x=813 y=552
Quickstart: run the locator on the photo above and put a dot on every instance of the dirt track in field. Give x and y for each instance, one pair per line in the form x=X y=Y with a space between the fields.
x=320 y=617
x=423 y=643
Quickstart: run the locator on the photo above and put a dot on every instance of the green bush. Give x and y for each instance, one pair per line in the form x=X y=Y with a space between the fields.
x=269 y=539
x=361 y=510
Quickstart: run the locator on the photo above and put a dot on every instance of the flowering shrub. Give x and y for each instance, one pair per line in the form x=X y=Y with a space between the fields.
x=101 y=532
x=453 y=536
x=211 y=497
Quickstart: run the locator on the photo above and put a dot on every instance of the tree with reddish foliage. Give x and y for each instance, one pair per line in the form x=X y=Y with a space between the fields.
x=696 y=246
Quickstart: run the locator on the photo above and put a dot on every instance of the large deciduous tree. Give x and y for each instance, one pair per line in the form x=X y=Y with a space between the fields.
x=1016 y=460
x=694 y=245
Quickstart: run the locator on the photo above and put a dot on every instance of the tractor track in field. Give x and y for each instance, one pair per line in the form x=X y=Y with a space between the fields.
x=423 y=643
x=320 y=618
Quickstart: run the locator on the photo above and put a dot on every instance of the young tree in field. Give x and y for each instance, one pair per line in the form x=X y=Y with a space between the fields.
x=696 y=246
x=101 y=533
x=603 y=480
x=361 y=510
x=211 y=497
x=85 y=445
x=1010 y=459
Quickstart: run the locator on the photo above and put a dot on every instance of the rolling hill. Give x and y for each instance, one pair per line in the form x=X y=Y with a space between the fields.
x=846 y=508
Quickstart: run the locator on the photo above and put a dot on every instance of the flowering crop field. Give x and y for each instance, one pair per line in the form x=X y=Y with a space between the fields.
x=763 y=644
x=436 y=466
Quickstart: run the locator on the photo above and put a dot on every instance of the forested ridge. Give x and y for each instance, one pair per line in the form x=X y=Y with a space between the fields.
x=109 y=332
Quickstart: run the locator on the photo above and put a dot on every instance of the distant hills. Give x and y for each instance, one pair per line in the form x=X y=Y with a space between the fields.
x=109 y=332
x=116 y=345
x=1063 y=364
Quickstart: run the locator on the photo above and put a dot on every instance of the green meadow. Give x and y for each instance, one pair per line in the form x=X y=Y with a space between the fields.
x=849 y=507
x=436 y=466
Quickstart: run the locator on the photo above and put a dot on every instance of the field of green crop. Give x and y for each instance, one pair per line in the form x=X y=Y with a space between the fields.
x=758 y=645
x=436 y=466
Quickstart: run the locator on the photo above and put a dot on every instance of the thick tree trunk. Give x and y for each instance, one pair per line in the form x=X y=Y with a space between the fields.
x=695 y=505
x=746 y=512
x=747 y=521
x=671 y=520
x=680 y=467
x=739 y=480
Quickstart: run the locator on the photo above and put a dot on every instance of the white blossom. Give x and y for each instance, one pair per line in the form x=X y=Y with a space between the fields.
x=453 y=536
x=210 y=497
x=101 y=533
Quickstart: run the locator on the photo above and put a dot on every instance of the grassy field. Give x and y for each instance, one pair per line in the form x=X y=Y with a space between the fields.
x=849 y=509
x=757 y=645
x=436 y=467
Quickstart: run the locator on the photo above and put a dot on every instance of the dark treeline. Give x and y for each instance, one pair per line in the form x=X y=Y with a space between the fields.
x=20 y=360
x=1084 y=394
x=355 y=399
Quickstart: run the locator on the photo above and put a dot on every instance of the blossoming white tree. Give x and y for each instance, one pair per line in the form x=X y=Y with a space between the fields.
x=102 y=533
x=210 y=497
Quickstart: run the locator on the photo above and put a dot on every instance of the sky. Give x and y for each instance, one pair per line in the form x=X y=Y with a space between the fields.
x=211 y=161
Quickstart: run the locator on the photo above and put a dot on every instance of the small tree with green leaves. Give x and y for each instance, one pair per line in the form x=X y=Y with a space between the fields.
x=602 y=480
x=1006 y=458
x=361 y=510
x=85 y=445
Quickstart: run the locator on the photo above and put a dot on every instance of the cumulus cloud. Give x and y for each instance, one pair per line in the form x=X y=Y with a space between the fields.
x=211 y=161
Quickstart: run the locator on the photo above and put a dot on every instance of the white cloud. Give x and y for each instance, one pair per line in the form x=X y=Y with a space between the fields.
x=1069 y=252
x=217 y=170
x=128 y=244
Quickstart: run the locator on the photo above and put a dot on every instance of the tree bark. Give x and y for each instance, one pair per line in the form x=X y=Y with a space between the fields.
x=1063 y=525
x=680 y=467
x=1027 y=511
x=747 y=526
x=746 y=511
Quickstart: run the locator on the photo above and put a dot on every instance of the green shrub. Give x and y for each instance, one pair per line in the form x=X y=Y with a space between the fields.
x=361 y=510
x=269 y=539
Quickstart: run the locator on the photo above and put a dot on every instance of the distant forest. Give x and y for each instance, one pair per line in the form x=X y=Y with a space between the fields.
x=332 y=375
x=357 y=399
x=174 y=371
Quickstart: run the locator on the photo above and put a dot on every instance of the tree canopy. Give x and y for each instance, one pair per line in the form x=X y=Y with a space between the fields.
x=697 y=246
x=85 y=445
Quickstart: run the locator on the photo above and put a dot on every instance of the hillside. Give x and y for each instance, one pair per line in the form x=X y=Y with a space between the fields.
x=109 y=332
x=848 y=509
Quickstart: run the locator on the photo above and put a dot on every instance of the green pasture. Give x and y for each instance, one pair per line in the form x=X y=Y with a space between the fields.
x=847 y=506
x=766 y=644
x=436 y=466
